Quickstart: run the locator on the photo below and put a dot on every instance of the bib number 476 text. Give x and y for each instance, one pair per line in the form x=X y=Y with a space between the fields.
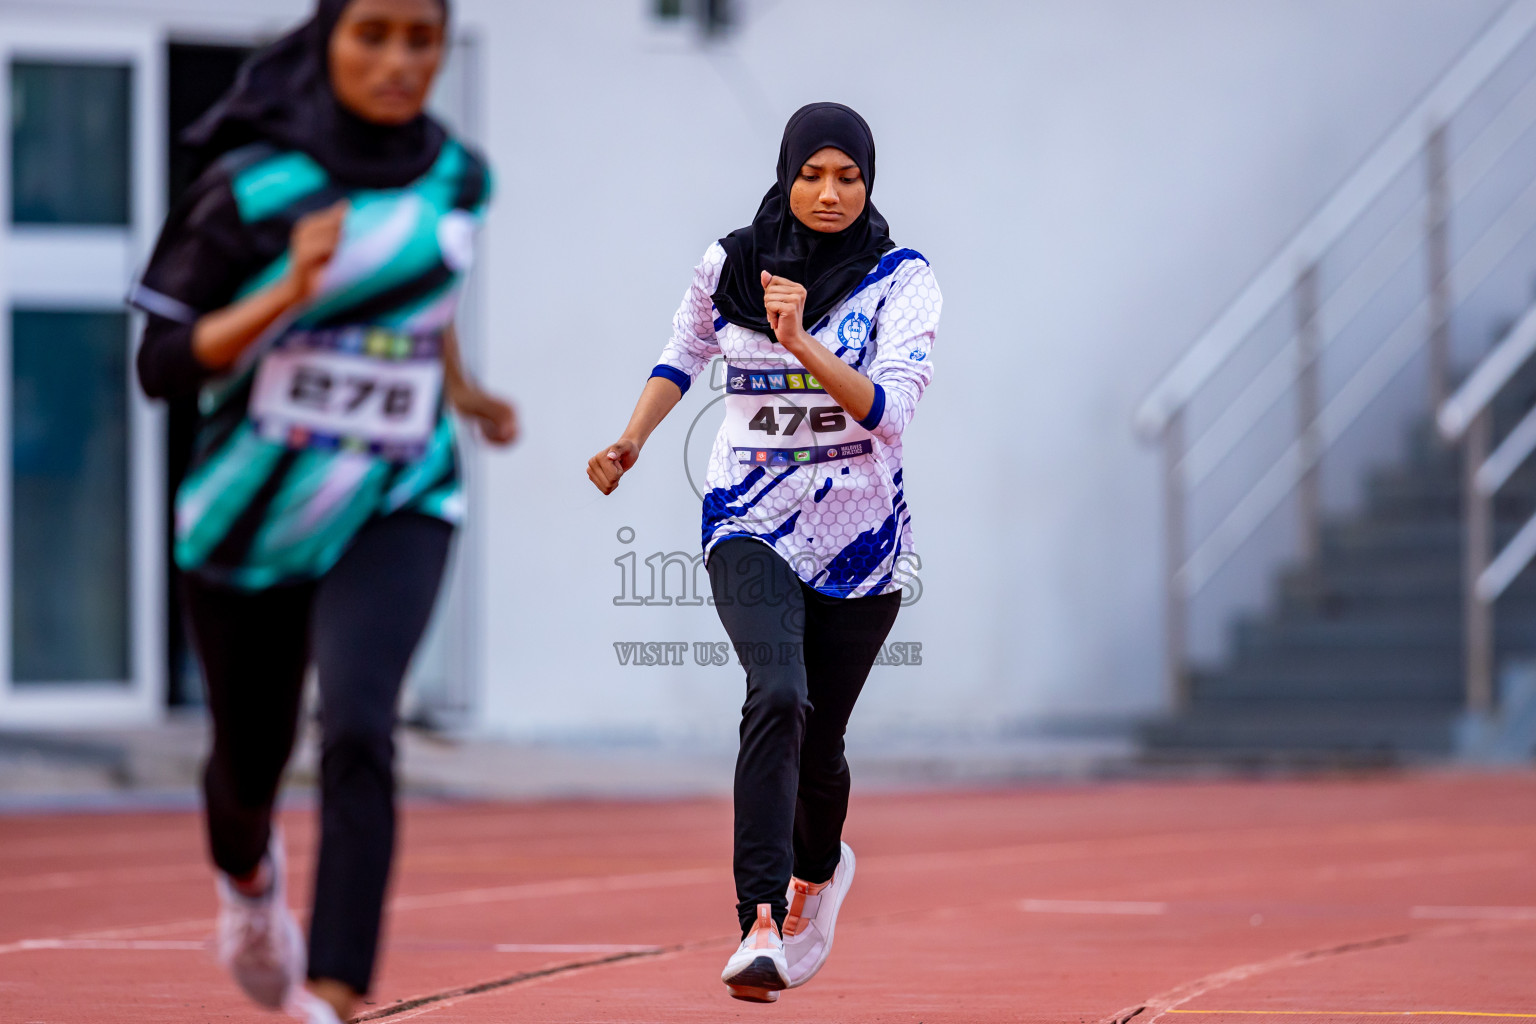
x=825 y=419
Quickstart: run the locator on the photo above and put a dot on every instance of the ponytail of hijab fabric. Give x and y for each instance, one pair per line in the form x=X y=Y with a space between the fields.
x=283 y=96
x=828 y=264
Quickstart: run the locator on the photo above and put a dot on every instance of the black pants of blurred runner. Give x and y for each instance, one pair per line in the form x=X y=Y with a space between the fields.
x=359 y=625
x=807 y=656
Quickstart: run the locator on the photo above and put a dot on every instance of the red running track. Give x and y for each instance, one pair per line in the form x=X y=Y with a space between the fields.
x=1334 y=900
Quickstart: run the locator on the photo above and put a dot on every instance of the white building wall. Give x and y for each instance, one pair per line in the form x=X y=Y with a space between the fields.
x=1092 y=181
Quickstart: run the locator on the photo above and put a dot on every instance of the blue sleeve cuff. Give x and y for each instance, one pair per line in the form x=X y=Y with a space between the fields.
x=876 y=410
x=676 y=376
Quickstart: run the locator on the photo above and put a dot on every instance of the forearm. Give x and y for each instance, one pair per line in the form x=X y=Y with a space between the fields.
x=847 y=386
x=456 y=380
x=220 y=337
x=658 y=399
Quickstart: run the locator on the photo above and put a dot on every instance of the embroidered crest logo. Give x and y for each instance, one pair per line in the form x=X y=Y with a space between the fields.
x=853 y=332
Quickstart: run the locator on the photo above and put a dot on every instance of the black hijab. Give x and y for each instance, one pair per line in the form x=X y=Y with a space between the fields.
x=283 y=96
x=829 y=265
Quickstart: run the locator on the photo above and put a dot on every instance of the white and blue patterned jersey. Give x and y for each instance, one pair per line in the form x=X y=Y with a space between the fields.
x=842 y=524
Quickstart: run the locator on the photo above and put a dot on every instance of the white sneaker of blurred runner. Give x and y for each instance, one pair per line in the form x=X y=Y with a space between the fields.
x=257 y=939
x=304 y=1005
x=812 y=920
x=757 y=972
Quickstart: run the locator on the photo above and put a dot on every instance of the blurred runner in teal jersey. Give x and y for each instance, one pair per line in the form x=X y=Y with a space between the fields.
x=305 y=292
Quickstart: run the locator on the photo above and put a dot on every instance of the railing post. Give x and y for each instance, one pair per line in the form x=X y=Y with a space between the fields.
x=1477 y=612
x=1176 y=598
x=1309 y=439
x=1438 y=249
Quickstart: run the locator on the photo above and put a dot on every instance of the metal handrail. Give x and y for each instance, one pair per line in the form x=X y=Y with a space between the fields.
x=1465 y=417
x=1511 y=453
x=1352 y=295
x=1394 y=154
x=1295 y=366
x=1496 y=370
x=1475 y=267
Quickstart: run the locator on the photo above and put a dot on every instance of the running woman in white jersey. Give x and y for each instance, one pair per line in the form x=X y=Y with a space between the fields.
x=827 y=332
x=304 y=292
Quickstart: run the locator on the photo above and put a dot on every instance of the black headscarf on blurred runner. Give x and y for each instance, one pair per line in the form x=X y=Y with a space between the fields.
x=283 y=96
x=828 y=264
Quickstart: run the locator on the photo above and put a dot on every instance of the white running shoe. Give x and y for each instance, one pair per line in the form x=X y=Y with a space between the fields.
x=304 y=1005
x=812 y=919
x=757 y=972
x=257 y=940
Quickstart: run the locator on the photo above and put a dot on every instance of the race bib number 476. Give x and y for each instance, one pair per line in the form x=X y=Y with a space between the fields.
x=314 y=397
x=784 y=417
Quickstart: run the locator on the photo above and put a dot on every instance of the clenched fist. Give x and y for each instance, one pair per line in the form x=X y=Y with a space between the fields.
x=606 y=467
x=785 y=302
x=311 y=246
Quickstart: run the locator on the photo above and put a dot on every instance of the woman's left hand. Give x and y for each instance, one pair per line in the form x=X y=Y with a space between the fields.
x=495 y=416
x=785 y=302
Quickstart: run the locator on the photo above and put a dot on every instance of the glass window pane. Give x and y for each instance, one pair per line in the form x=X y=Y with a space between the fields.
x=69 y=143
x=69 y=497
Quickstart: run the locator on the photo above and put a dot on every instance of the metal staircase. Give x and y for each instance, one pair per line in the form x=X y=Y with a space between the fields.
x=1389 y=620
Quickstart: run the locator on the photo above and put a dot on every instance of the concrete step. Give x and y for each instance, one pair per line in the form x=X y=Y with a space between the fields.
x=1238 y=684
x=1374 y=731
x=1362 y=655
x=1403 y=503
x=1363 y=541
x=1256 y=639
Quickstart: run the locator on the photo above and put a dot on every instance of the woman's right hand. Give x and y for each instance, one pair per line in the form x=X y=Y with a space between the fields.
x=310 y=248
x=606 y=467
x=221 y=336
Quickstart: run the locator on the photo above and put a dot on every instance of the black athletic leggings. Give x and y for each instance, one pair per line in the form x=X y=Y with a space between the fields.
x=359 y=625
x=807 y=656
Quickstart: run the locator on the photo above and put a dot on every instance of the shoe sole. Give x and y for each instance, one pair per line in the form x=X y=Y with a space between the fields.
x=754 y=995
x=837 y=909
x=758 y=982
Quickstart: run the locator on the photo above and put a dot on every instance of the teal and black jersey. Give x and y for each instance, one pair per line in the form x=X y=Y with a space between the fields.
x=336 y=417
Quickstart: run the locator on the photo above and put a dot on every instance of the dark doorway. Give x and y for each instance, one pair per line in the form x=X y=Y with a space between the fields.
x=197 y=76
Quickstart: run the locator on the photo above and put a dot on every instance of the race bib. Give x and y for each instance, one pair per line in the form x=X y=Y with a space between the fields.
x=357 y=389
x=784 y=417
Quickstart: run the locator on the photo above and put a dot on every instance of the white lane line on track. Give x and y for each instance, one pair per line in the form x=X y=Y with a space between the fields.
x=564 y=887
x=198 y=946
x=454 y=898
x=1131 y=907
x=572 y=947
x=1474 y=913
x=107 y=877
x=97 y=944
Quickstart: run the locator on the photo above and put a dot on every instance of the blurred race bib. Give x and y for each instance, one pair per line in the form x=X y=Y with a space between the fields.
x=354 y=389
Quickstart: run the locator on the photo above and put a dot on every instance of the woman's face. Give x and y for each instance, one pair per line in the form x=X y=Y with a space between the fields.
x=828 y=193
x=384 y=55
